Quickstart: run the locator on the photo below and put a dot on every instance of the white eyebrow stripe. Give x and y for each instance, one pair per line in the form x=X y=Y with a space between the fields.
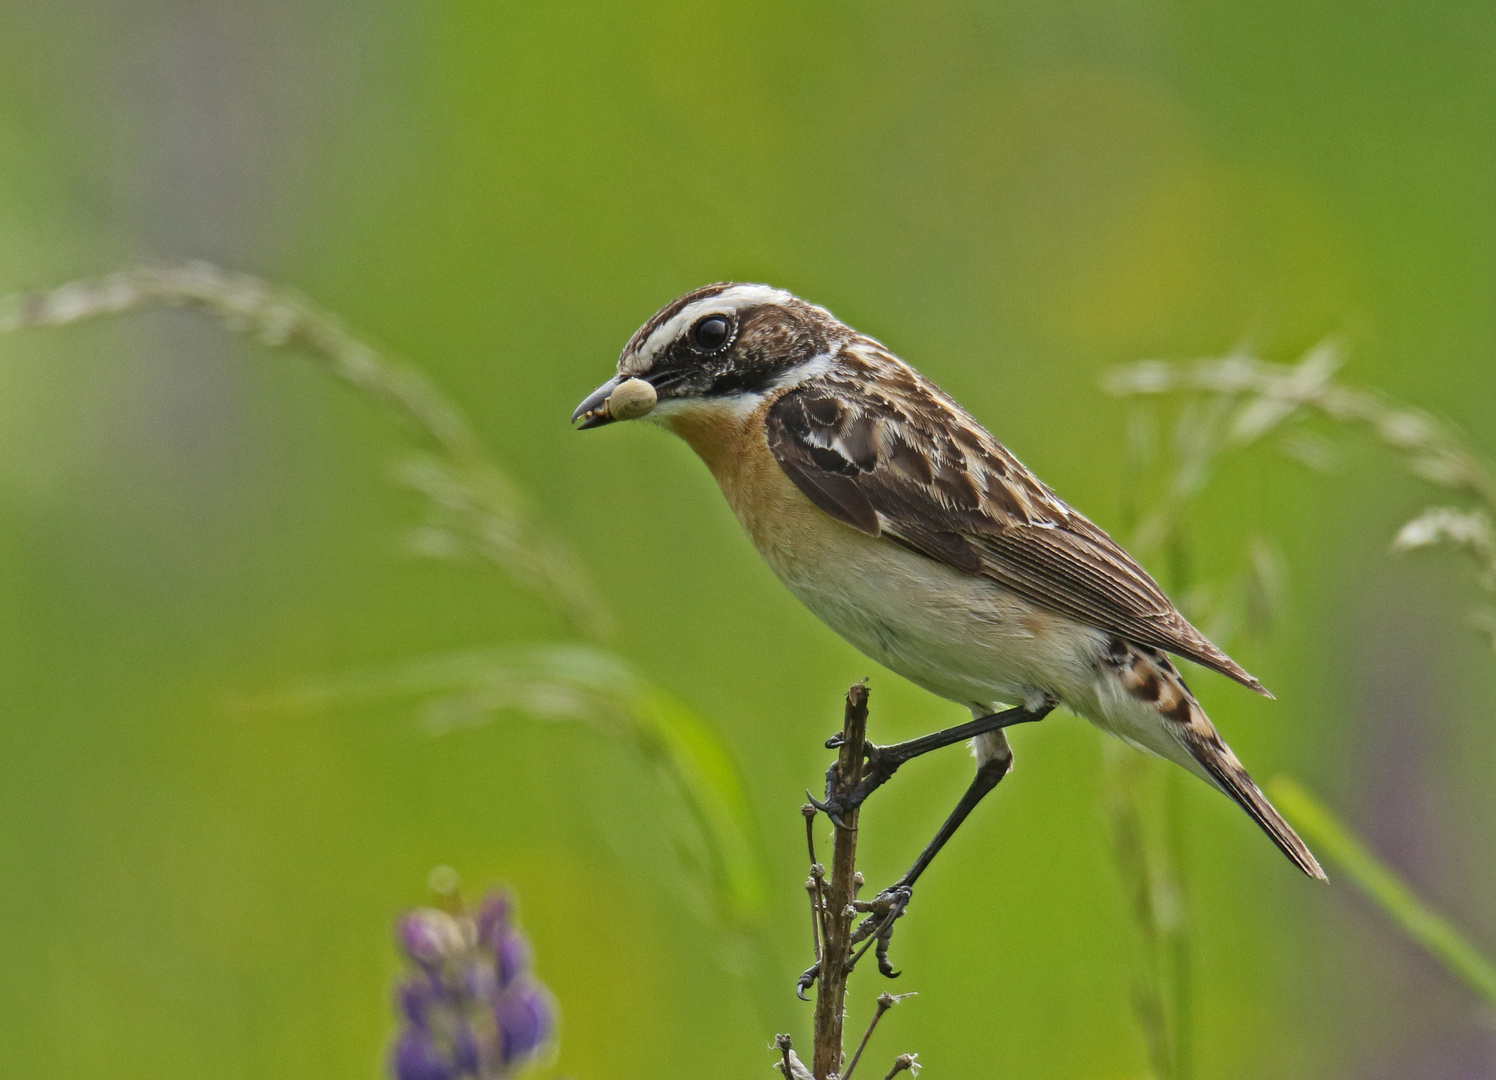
x=726 y=302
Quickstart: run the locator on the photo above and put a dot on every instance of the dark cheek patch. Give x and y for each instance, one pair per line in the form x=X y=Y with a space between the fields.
x=769 y=342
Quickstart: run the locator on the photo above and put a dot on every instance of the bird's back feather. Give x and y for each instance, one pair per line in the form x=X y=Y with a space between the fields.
x=914 y=467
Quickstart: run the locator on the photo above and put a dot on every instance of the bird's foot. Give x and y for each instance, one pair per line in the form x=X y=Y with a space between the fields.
x=876 y=931
x=880 y=763
x=807 y=980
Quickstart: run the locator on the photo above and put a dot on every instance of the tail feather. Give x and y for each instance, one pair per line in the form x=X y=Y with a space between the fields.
x=1148 y=676
x=1224 y=768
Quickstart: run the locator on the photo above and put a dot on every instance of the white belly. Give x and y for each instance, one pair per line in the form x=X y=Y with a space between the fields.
x=972 y=642
x=958 y=636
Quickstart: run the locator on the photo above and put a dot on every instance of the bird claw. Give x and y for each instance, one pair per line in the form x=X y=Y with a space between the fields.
x=876 y=931
x=880 y=766
x=807 y=980
x=885 y=968
x=832 y=808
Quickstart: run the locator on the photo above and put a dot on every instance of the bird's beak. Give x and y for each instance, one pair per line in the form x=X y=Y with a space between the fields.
x=593 y=411
x=617 y=399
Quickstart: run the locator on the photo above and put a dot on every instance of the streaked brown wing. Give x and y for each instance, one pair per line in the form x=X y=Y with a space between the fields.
x=921 y=472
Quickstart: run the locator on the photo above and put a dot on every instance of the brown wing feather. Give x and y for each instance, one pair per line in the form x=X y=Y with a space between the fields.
x=920 y=471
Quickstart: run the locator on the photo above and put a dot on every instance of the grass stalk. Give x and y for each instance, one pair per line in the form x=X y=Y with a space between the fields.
x=1380 y=884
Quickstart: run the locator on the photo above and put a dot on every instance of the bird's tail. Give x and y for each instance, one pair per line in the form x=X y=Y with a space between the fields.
x=1148 y=676
x=1215 y=757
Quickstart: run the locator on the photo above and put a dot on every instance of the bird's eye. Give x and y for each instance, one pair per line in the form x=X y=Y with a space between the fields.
x=710 y=333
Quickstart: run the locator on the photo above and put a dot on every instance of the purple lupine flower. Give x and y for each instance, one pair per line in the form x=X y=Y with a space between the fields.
x=512 y=949
x=417 y=1057
x=524 y=1015
x=430 y=937
x=418 y=995
x=471 y=1006
x=496 y=913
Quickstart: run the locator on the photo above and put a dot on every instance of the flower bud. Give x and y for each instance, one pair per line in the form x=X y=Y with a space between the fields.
x=429 y=937
x=525 y=1016
x=495 y=914
x=417 y=997
x=513 y=953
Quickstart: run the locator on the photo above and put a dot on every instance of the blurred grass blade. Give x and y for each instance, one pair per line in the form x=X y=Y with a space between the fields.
x=714 y=791
x=1147 y=819
x=475 y=512
x=590 y=685
x=1384 y=888
x=477 y=509
x=1280 y=398
x=1273 y=397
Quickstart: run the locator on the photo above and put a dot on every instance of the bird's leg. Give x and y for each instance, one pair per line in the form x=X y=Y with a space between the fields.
x=884 y=761
x=889 y=905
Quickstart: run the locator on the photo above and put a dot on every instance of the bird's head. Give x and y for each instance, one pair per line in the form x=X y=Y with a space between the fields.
x=721 y=346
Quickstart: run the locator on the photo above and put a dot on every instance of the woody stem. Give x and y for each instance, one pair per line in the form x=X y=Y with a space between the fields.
x=841 y=891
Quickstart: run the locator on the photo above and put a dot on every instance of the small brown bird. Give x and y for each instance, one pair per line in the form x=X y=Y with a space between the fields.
x=915 y=535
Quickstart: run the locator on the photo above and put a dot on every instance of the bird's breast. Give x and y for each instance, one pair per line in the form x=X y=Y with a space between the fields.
x=783 y=524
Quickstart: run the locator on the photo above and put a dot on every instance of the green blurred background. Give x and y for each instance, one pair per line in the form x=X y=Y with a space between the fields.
x=1015 y=196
